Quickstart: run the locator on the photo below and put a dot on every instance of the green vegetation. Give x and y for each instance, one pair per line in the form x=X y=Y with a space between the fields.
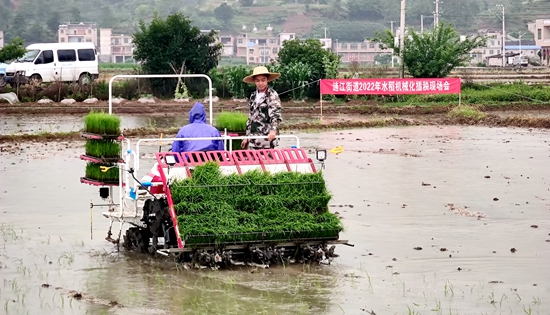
x=102 y=124
x=301 y=61
x=12 y=50
x=233 y=79
x=103 y=148
x=486 y=95
x=166 y=45
x=35 y=23
x=213 y=208
x=466 y=111
x=112 y=66
x=233 y=121
x=93 y=171
x=432 y=54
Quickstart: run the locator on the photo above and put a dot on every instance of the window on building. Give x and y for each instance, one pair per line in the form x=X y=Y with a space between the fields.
x=74 y=32
x=126 y=40
x=240 y=41
x=62 y=39
x=89 y=31
x=353 y=46
x=86 y=55
x=45 y=56
x=265 y=52
x=291 y=36
x=371 y=45
x=539 y=33
x=363 y=46
x=251 y=58
x=273 y=41
x=264 y=59
x=88 y=40
x=117 y=41
x=344 y=45
x=251 y=50
x=62 y=31
x=275 y=50
x=79 y=40
x=66 y=55
x=490 y=52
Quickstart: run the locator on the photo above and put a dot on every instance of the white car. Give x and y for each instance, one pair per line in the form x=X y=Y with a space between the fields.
x=65 y=62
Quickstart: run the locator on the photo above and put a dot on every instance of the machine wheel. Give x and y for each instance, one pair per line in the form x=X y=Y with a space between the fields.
x=136 y=239
x=85 y=79
x=36 y=79
x=2 y=80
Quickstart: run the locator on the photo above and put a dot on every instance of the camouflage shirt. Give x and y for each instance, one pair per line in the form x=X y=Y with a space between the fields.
x=265 y=115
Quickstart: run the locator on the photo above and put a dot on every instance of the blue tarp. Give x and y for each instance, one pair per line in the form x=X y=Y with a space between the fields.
x=3 y=67
x=530 y=47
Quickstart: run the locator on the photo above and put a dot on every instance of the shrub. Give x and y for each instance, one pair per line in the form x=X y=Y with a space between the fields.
x=468 y=112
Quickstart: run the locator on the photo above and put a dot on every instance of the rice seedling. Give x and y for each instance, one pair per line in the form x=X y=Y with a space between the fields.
x=213 y=208
x=103 y=148
x=232 y=121
x=93 y=171
x=102 y=123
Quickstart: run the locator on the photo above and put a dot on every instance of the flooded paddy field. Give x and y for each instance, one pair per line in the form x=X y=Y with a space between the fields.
x=445 y=220
x=23 y=124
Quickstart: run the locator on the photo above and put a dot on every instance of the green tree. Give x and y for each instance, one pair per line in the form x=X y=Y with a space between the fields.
x=432 y=54
x=310 y=53
x=247 y=3
x=13 y=50
x=174 y=42
x=224 y=13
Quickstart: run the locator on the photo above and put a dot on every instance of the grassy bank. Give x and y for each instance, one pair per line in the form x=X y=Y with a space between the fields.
x=134 y=89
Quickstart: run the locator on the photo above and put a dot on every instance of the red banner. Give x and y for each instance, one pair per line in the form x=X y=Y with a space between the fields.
x=391 y=86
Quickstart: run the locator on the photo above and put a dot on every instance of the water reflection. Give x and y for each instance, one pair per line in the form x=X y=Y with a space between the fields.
x=16 y=124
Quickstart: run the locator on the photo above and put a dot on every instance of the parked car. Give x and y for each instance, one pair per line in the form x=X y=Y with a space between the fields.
x=3 y=67
x=66 y=62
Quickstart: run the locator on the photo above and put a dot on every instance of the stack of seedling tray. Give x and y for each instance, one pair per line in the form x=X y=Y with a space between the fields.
x=103 y=148
x=253 y=207
x=234 y=123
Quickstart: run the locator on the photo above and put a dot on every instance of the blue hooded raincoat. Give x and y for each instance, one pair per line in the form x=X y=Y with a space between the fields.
x=197 y=128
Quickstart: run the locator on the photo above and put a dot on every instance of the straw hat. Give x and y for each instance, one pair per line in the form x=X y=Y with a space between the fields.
x=261 y=70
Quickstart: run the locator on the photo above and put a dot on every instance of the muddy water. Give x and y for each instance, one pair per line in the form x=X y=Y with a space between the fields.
x=25 y=124
x=465 y=195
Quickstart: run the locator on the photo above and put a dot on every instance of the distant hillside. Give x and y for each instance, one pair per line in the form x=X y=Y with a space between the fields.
x=347 y=20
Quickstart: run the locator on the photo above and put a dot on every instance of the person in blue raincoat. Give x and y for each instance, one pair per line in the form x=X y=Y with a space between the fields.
x=197 y=128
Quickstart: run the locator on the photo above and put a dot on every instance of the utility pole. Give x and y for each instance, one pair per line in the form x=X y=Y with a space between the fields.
x=393 y=35
x=503 y=53
x=391 y=22
x=436 y=14
x=402 y=40
x=520 y=35
x=421 y=23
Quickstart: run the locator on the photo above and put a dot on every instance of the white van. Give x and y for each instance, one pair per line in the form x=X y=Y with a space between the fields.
x=67 y=62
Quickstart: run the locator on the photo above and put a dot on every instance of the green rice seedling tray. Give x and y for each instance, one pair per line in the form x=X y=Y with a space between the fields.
x=94 y=172
x=101 y=123
x=104 y=149
x=255 y=206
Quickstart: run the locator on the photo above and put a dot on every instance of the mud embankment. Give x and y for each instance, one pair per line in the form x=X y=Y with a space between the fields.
x=162 y=107
x=489 y=120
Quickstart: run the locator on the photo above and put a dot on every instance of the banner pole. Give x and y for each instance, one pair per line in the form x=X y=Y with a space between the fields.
x=459 y=98
x=321 y=102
